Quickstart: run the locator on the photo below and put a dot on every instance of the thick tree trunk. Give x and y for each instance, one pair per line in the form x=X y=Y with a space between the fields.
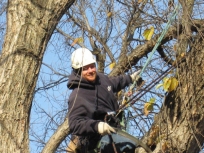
x=29 y=27
x=179 y=128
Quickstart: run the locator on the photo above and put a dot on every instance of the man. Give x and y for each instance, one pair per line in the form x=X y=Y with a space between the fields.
x=93 y=96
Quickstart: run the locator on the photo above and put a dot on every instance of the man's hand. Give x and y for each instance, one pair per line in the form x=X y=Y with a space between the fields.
x=104 y=128
x=135 y=76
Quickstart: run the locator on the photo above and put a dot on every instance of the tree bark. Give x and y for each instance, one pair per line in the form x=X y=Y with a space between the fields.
x=178 y=128
x=30 y=25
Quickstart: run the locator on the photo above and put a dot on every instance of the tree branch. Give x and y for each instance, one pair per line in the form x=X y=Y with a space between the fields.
x=61 y=133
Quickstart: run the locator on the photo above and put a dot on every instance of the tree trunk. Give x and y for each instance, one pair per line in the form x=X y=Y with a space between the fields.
x=179 y=127
x=30 y=25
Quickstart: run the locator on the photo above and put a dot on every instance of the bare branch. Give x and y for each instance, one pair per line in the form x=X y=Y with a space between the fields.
x=57 y=138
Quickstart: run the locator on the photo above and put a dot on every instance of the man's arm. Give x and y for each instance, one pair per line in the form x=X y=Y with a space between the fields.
x=122 y=81
x=79 y=122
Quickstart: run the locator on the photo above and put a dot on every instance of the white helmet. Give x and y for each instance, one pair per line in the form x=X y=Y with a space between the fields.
x=82 y=57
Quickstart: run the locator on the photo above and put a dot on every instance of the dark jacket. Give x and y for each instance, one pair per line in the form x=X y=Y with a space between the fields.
x=89 y=102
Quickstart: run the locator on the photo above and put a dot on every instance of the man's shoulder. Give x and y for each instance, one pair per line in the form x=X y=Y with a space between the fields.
x=75 y=92
x=102 y=75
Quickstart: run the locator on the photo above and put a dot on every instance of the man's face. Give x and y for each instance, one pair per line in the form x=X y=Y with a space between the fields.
x=89 y=72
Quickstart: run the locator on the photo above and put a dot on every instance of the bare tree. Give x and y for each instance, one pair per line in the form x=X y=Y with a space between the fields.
x=30 y=25
x=113 y=30
x=118 y=38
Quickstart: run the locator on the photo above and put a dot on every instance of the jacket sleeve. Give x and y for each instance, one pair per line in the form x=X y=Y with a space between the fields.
x=79 y=122
x=120 y=82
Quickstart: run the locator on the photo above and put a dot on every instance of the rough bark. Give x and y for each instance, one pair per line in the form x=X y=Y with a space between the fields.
x=179 y=125
x=179 y=128
x=29 y=27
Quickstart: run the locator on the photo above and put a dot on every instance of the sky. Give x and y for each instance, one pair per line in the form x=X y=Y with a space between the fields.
x=47 y=103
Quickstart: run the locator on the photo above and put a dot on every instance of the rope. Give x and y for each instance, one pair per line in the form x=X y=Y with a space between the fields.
x=175 y=12
x=132 y=100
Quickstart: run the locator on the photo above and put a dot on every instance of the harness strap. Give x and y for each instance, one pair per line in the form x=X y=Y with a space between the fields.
x=113 y=144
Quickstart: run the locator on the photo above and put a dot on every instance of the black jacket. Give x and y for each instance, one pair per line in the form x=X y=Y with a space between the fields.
x=89 y=102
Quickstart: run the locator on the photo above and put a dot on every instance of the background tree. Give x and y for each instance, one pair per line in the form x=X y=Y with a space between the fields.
x=113 y=30
x=30 y=25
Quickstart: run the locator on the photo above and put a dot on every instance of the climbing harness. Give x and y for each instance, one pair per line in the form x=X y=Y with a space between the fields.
x=110 y=118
